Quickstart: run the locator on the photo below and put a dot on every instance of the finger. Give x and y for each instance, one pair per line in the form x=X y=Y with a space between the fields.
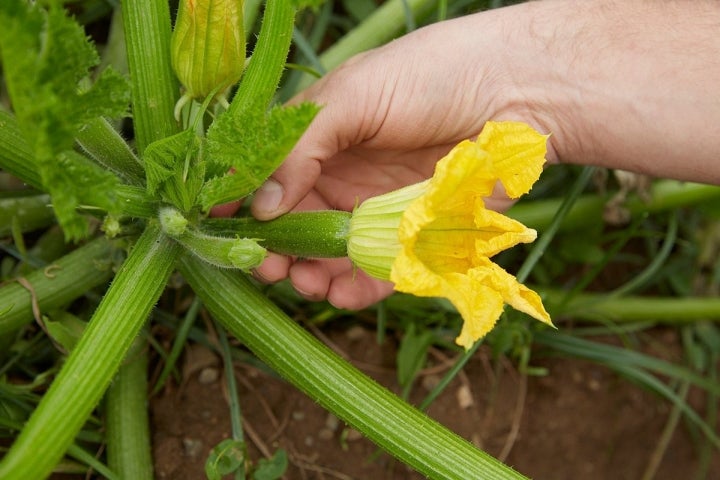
x=311 y=278
x=226 y=209
x=273 y=269
x=341 y=122
x=355 y=290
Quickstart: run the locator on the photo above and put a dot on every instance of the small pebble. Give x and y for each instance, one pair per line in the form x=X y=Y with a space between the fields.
x=331 y=422
x=298 y=415
x=325 y=434
x=356 y=332
x=464 y=397
x=192 y=447
x=208 y=375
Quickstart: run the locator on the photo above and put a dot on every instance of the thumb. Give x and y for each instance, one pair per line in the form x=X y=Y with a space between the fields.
x=341 y=123
x=286 y=187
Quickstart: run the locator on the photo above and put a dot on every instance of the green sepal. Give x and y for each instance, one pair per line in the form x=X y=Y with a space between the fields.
x=253 y=146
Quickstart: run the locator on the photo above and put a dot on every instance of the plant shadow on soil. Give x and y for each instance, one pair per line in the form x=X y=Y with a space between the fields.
x=578 y=421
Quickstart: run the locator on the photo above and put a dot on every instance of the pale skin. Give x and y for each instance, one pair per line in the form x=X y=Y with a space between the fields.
x=632 y=84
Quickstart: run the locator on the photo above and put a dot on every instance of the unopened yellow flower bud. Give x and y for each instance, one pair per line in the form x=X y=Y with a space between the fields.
x=208 y=46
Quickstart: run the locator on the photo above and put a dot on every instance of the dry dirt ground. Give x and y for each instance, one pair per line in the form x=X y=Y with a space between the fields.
x=580 y=421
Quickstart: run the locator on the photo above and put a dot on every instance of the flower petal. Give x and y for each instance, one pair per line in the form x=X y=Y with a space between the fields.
x=518 y=154
x=513 y=292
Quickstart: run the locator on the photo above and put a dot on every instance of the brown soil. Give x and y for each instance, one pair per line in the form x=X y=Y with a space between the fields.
x=580 y=421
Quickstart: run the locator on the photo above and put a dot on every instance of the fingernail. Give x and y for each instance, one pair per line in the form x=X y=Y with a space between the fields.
x=268 y=196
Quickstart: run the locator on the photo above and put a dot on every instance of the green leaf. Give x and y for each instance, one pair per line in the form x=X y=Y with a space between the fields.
x=412 y=353
x=64 y=328
x=253 y=145
x=46 y=63
x=227 y=457
x=272 y=468
x=173 y=167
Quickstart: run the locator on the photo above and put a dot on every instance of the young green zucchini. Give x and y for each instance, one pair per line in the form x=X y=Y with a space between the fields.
x=315 y=234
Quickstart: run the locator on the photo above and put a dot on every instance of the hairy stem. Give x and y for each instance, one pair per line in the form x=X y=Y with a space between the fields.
x=94 y=361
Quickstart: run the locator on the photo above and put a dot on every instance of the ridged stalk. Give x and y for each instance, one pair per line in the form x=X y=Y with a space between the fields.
x=598 y=306
x=299 y=357
x=29 y=211
x=55 y=286
x=94 y=361
x=126 y=417
x=154 y=86
x=664 y=195
x=262 y=76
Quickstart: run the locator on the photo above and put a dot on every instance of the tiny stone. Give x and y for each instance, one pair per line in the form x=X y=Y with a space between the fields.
x=298 y=415
x=352 y=435
x=332 y=422
x=356 y=332
x=192 y=447
x=309 y=441
x=208 y=375
x=430 y=381
x=325 y=434
x=464 y=397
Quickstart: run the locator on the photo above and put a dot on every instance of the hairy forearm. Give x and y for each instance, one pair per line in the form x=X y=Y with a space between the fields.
x=624 y=84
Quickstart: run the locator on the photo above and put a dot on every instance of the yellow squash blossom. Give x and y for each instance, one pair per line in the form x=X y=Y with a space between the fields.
x=436 y=238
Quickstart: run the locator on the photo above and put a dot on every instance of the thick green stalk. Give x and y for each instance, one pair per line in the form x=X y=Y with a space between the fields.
x=262 y=76
x=29 y=211
x=94 y=361
x=598 y=306
x=154 y=86
x=665 y=195
x=126 y=417
x=105 y=145
x=54 y=286
x=375 y=30
x=388 y=421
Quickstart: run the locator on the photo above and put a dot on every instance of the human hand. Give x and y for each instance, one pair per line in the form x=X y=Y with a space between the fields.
x=389 y=114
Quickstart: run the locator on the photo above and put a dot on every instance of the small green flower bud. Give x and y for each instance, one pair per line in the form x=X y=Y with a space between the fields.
x=172 y=221
x=208 y=46
x=246 y=254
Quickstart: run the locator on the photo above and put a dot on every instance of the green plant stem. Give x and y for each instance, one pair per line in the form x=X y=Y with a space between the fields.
x=665 y=195
x=94 y=360
x=29 y=211
x=594 y=306
x=375 y=30
x=262 y=76
x=127 y=421
x=561 y=213
x=154 y=86
x=105 y=145
x=181 y=337
x=391 y=423
x=55 y=286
